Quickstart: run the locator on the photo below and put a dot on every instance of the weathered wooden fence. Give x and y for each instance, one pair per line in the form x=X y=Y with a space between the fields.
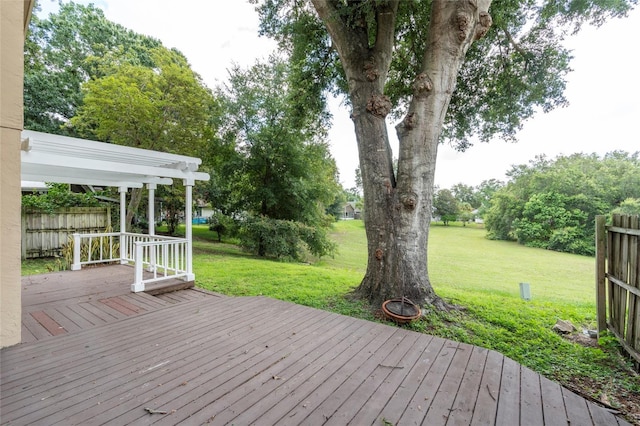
x=618 y=280
x=44 y=234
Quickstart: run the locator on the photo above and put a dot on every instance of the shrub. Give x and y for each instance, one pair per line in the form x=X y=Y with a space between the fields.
x=57 y=197
x=283 y=239
x=222 y=225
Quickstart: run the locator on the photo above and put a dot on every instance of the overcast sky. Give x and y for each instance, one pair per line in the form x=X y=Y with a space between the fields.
x=603 y=89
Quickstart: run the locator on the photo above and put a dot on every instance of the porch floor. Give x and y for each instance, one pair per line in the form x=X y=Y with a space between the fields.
x=68 y=301
x=255 y=360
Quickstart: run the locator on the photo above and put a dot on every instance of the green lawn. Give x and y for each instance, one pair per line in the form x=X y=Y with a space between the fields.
x=478 y=275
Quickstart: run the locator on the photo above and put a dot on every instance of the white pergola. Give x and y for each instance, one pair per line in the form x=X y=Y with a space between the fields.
x=54 y=158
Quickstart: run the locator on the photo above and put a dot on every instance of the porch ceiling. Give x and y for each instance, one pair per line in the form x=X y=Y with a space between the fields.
x=53 y=158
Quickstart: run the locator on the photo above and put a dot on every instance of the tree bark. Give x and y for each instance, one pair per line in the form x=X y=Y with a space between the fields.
x=398 y=209
x=132 y=208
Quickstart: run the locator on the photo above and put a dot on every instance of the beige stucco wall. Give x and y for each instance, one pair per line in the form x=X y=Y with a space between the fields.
x=13 y=15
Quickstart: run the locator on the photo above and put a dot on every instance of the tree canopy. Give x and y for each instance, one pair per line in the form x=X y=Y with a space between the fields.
x=62 y=52
x=553 y=203
x=272 y=155
x=452 y=70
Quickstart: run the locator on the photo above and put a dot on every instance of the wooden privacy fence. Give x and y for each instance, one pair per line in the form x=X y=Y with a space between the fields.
x=43 y=234
x=618 y=280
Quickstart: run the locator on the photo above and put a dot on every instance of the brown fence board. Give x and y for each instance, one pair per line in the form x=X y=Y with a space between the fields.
x=621 y=281
x=44 y=234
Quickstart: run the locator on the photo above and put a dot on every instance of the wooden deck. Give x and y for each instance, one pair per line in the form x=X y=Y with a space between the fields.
x=253 y=360
x=66 y=302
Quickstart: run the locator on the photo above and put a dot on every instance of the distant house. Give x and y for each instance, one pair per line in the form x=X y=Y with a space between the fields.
x=350 y=211
x=203 y=209
x=476 y=217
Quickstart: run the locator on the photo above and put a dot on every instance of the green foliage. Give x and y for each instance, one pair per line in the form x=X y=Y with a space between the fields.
x=548 y=221
x=630 y=206
x=58 y=196
x=552 y=204
x=271 y=161
x=91 y=249
x=446 y=206
x=516 y=69
x=222 y=225
x=59 y=57
x=283 y=239
x=466 y=194
x=165 y=108
x=173 y=204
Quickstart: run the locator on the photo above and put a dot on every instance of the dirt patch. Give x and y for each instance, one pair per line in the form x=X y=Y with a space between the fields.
x=582 y=340
x=607 y=394
x=620 y=401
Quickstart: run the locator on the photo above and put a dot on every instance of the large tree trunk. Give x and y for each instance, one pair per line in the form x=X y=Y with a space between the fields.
x=397 y=211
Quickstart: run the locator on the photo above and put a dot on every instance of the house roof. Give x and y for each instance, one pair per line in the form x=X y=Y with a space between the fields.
x=53 y=158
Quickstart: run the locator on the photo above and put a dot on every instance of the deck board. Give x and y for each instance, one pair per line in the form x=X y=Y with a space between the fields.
x=530 y=393
x=509 y=397
x=485 y=409
x=464 y=404
x=203 y=358
x=83 y=299
x=418 y=406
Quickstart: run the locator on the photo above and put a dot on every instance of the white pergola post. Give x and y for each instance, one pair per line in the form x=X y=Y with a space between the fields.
x=152 y=223
x=123 y=225
x=152 y=205
x=188 y=218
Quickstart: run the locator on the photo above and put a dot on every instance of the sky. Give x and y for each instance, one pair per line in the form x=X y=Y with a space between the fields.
x=603 y=90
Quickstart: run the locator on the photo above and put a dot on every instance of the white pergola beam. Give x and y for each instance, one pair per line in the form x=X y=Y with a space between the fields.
x=81 y=147
x=87 y=165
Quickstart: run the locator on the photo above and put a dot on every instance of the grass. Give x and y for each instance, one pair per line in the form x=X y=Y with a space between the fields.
x=467 y=270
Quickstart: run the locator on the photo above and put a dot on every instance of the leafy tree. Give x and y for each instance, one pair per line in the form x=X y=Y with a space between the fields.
x=466 y=194
x=222 y=225
x=546 y=215
x=505 y=208
x=484 y=194
x=335 y=209
x=278 y=165
x=165 y=108
x=630 y=206
x=172 y=197
x=465 y=213
x=59 y=57
x=446 y=206
x=553 y=203
x=452 y=70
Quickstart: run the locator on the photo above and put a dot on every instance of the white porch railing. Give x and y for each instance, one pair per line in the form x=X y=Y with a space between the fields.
x=164 y=257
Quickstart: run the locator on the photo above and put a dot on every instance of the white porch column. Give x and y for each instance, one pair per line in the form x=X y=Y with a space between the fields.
x=152 y=224
x=188 y=219
x=151 y=215
x=123 y=225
